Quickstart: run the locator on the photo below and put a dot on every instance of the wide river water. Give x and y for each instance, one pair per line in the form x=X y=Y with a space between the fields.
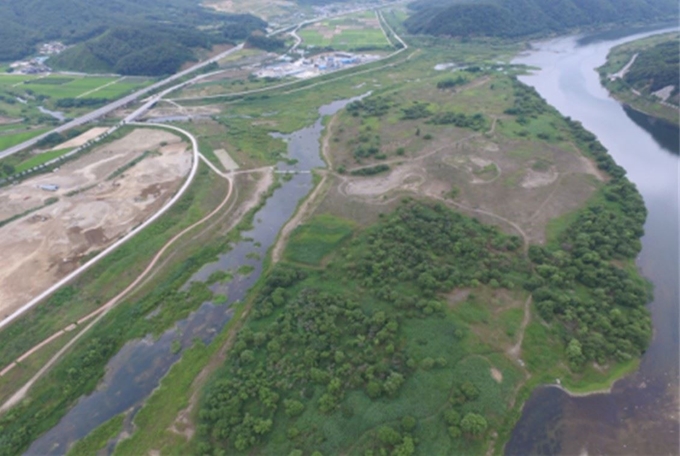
x=640 y=415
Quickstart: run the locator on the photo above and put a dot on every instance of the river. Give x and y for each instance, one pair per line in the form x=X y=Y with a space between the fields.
x=640 y=415
x=137 y=369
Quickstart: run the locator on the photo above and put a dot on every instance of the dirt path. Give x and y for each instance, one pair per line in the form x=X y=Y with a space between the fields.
x=429 y=154
x=515 y=350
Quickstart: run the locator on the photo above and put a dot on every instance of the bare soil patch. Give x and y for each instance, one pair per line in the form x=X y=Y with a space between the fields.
x=8 y=120
x=497 y=375
x=48 y=244
x=226 y=160
x=81 y=139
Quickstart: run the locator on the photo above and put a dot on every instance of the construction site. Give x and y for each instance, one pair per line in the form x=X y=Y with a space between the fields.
x=64 y=217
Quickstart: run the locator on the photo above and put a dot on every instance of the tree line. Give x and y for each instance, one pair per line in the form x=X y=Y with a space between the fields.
x=518 y=18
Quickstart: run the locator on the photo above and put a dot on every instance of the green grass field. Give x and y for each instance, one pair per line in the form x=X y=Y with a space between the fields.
x=40 y=159
x=17 y=138
x=59 y=86
x=347 y=33
x=315 y=239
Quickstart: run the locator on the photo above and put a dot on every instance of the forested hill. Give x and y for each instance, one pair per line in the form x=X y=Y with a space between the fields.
x=150 y=37
x=517 y=18
x=656 y=68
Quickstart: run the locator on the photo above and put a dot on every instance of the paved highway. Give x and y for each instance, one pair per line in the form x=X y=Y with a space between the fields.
x=101 y=112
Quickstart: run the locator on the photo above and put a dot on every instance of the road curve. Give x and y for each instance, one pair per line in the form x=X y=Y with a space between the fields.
x=192 y=173
x=97 y=113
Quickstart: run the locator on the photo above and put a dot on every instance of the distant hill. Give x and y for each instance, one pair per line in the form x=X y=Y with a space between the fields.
x=150 y=37
x=518 y=18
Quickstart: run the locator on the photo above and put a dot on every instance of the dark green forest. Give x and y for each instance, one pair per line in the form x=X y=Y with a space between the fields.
x=518 y=18
x=153 y=37
x=656 y=67
x=316 y=338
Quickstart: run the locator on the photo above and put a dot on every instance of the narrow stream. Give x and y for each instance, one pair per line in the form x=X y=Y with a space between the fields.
x=56 y=114
x=136 y=370
x=640 y=415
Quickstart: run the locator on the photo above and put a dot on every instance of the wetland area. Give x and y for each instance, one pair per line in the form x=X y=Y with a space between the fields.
x=325 y=320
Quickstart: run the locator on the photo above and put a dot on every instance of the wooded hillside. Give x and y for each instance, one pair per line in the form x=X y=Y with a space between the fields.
x=656 y=67
x=153 y=37
x=516 y=18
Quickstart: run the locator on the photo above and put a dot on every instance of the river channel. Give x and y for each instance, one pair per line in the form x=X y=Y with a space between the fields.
x=640 y=415
x=136 y=370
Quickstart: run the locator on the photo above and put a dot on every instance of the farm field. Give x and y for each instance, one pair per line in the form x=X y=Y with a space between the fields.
x=12 y=139
x=357 y=32
x=21 y=95
x=66 y=86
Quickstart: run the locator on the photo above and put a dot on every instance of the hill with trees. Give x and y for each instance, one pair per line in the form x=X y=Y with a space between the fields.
x=645 y=74
x=518 y=18
x=153 y=37
x=656 y=68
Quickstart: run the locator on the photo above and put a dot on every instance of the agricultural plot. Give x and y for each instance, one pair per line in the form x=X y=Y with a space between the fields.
x=12 y=139
x=57 y=87
x=351 y=33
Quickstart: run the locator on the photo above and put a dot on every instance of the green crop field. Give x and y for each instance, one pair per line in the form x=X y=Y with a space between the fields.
x=58 y=86
x=348 y=33
x=69 y=88
x=17 y=138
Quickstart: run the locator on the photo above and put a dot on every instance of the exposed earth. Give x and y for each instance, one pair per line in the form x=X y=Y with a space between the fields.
x=98 y=202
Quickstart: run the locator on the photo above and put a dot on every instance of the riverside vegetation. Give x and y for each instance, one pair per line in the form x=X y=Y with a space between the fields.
x=391 y=333
x=656 y=68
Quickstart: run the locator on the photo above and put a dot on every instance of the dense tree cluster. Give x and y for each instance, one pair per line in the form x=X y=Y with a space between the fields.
x=434 y=249
x=417 y=110
x=370 y=171
x=313 y=342
x=157 y=33
x=477 y=122
x=80 y=102
x=451 y=82
x=370 y=107
x=264 y=42
x=516 y=18
x=150 y=51
x=610 y=320
x=307 y=348
x=527 y=103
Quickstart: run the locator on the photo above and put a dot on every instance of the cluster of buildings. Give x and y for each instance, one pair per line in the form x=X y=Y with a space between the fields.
x=52 y=48
x=313 y=66
x=32 y=66
x=36 y=65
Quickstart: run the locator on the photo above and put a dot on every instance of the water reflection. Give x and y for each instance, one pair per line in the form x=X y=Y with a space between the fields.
x=640 y=415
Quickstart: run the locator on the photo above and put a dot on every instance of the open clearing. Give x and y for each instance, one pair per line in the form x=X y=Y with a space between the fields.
x=81 y=139
x=494 y=173
x=91 y=211
x=346 y=33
